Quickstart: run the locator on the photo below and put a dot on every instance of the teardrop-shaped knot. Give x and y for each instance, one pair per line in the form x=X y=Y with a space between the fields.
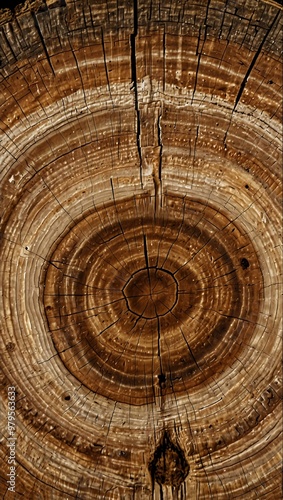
x=168 y=465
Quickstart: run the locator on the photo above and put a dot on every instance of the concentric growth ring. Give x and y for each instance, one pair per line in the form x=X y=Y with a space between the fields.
x=151 y=292
x=143 y=298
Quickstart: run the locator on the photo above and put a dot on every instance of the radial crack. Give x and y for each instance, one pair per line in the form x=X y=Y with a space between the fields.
x=37 y=27
x=134 y=82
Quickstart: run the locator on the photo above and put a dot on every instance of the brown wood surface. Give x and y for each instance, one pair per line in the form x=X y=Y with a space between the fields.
x=141 y=248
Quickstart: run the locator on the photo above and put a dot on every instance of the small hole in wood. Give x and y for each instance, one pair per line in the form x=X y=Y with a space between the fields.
x=245 y=263
x=161 y=379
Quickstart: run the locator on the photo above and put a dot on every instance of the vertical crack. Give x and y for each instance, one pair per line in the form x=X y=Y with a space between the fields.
x=159 y=348
x=37 y=27
x=80 y=75
x=147 y=262
x=105 y=63
x=146 y=253
x=134 y=82
x=251 y=66
x=246 y=77
x=160 y=144
x=200 y=50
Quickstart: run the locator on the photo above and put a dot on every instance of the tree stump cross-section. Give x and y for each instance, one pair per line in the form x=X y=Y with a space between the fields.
x=141 y=250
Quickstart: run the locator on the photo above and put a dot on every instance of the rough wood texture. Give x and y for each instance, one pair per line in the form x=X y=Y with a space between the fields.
x=141 y=248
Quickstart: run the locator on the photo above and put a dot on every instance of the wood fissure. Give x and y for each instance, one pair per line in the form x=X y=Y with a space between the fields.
x=37 y=27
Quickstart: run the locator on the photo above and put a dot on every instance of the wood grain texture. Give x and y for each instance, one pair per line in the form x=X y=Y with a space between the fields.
x=141 y=248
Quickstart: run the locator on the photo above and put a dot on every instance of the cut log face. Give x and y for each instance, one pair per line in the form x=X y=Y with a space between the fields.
x=141 y=264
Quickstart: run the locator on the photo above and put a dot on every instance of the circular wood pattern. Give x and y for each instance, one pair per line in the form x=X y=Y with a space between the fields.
x=141 y=249
x=151 y=292
x=147 y=298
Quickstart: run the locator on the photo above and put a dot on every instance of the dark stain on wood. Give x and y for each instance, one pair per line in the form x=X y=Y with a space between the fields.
x=169 y=465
